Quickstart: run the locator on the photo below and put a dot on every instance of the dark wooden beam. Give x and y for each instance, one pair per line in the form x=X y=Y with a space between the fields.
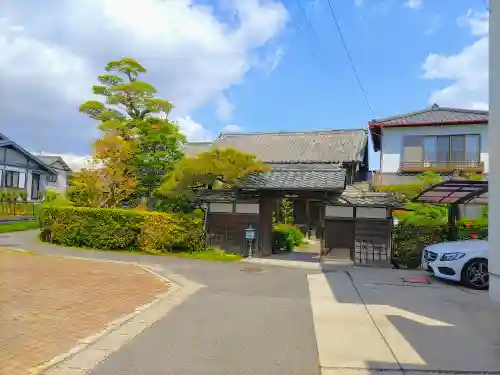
x=266 y=208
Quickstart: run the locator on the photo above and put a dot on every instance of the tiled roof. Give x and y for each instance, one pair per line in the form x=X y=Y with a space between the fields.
x=50 y=160
x=214 y=195
x=348 y=197
x=194 y=148
x=434 y=115
x=361 y=197
x=296 y=179
x=331 y=146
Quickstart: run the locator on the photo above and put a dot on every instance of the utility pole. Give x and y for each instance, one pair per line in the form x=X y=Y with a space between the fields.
x=494 y=151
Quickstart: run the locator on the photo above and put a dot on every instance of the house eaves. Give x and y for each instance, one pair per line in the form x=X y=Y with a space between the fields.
x=433 y=116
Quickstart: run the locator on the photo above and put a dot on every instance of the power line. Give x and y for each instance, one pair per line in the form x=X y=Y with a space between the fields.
x=314 y=53
x=313 y=31
x=332 y=12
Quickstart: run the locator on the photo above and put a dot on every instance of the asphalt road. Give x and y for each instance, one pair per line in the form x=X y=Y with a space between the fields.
x=249 y=319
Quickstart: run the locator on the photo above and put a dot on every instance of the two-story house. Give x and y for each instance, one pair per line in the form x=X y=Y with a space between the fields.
x=59 y=181
x=20 y=169
x=436 y=139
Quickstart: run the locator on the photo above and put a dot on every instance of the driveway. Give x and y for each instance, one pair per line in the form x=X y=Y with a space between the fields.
x=257 y=319
x=369 y=320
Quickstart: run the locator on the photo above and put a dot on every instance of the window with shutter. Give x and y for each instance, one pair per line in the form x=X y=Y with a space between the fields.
x=412 y=150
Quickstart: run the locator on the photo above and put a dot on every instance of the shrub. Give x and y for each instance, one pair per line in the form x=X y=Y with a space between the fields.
x=410 y=237
x=119 y=229
x=286 y=237
x=54 y=197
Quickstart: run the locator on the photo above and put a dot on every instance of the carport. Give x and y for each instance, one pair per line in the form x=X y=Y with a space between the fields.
x=452 y=193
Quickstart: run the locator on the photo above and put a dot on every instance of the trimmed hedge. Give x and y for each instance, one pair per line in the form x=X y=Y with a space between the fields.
x=286 y=237
x=410 y=237
x=120 y=229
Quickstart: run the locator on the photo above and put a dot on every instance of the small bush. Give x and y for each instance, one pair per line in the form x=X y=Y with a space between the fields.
x=286 y=237
x=56 y=198
x=410 y=237
x=119 y=229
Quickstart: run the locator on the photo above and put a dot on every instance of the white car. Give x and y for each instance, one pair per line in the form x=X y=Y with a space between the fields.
x=463 y=261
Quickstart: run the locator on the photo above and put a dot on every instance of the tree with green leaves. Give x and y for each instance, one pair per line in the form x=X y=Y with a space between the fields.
x=217 y=168
x=131 y=111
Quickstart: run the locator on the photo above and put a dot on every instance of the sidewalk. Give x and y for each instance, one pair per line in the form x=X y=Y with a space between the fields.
x=369 y=320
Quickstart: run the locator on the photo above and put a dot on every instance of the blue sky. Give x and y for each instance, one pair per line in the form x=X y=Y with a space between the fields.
x=239 y=64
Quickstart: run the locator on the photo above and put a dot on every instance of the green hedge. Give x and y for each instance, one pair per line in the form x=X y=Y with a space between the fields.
x=286 y=237
x=120 y=229
x=410 y=237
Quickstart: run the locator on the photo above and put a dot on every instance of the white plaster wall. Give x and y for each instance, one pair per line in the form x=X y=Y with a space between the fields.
x=339 y=211
x=61 y=184
x=392 y=142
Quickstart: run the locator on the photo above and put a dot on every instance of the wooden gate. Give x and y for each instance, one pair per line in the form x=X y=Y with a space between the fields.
x=373 y=241
x=339 y=239
x=227 y=230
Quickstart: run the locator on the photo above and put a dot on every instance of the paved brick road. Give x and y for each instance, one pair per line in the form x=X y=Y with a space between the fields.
x=49 y=303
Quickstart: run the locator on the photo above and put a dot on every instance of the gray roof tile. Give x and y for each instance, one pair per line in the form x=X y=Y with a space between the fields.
x=435 y=114
x=194 y=148
x=297 y=147
x=367 y=198
x=296 y=179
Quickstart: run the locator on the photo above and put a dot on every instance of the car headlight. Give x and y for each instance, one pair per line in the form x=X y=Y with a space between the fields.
x=452 y=256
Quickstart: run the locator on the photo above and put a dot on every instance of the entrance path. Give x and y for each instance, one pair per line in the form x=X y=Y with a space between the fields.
x=369 y=321
x=249 y=319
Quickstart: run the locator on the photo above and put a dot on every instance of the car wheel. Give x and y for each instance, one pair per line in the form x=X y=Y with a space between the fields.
x=475 y=274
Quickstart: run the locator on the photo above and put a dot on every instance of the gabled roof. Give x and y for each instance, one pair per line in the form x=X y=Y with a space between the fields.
x=327 y=146
x=434 y=115
x=4 y=141
x=329 y=178
x=194 y=148
x=50 y=160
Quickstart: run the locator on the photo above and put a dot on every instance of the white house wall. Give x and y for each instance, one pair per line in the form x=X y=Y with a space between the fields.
x=392 y=142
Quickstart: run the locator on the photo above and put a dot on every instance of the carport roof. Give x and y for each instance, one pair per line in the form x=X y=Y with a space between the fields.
x=455 y=191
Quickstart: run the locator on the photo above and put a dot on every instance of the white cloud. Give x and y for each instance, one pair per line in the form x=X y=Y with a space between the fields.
x=193 y=130
x=51 y=55
x=468 y=69
x=232 y=128
x=224 y=108
x=358 y=3
x=413 y=4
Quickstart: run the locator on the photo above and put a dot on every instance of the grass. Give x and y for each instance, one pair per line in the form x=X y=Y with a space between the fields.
x=212 y=254
x=19 y=209
x=18 y=226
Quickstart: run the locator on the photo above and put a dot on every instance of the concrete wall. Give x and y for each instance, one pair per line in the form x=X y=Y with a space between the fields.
x=392 y=142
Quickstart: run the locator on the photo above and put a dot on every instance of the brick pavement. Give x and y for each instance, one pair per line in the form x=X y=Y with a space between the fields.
x=49 y=303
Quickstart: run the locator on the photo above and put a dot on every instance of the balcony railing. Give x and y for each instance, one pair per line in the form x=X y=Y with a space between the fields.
x=387 y=178
x=442 y=167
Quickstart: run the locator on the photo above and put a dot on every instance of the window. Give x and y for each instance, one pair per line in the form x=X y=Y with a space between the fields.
x=451 y=148
x=52 y=178
x=443 y=149
x=10 y=179
x=457 y=148
x=472 y=149
x=430 y=150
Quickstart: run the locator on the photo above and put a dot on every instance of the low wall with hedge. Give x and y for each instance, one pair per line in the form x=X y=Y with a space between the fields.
x=410 y=237
x=121 y=229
